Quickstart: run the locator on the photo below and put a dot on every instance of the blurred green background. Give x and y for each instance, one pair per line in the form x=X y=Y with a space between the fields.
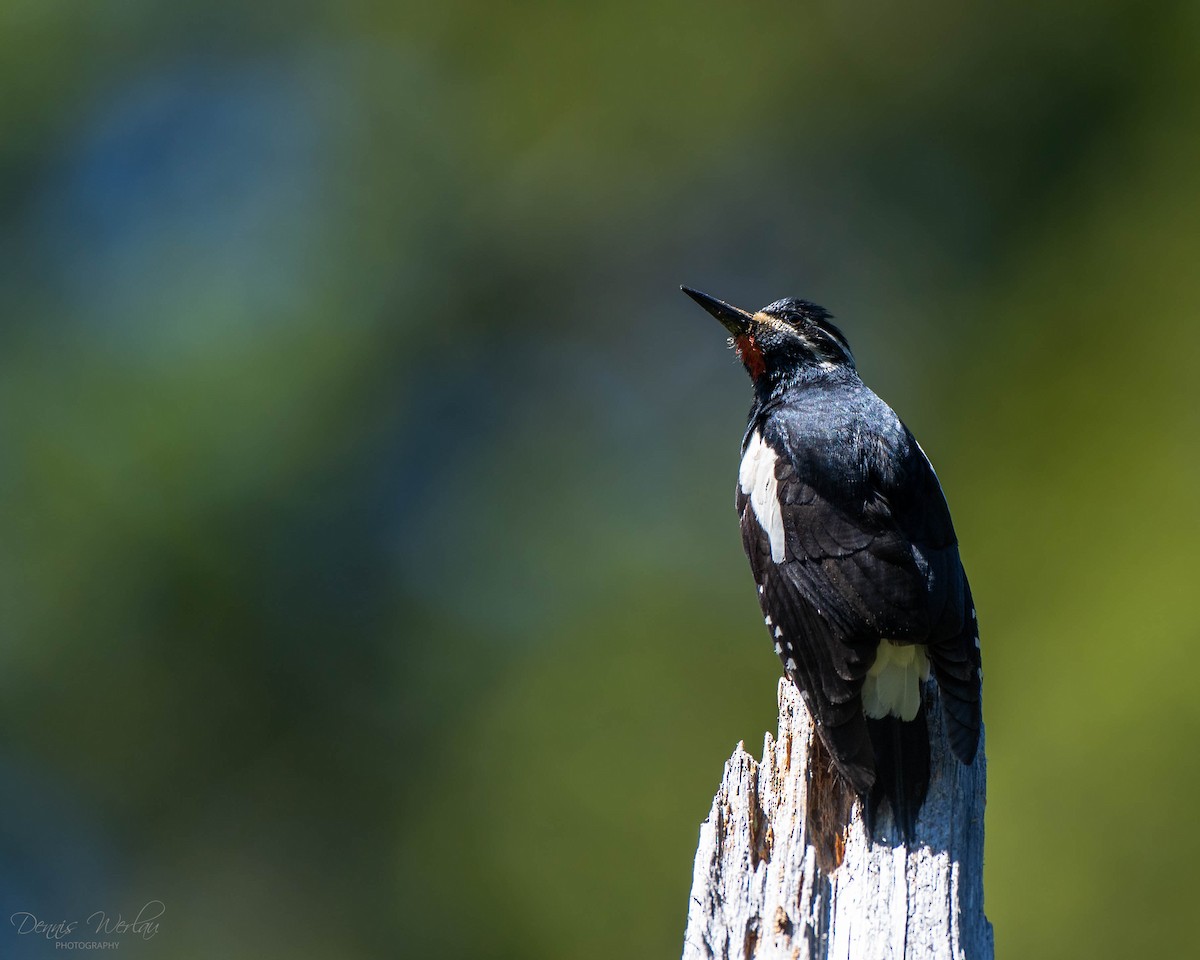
x=371 y=585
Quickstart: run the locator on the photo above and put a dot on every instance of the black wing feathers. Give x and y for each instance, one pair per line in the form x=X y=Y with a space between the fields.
x=828 y=673
x=956 y=666
x=870 y=554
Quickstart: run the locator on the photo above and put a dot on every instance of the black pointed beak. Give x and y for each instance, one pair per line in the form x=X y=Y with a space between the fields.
x=736 y=320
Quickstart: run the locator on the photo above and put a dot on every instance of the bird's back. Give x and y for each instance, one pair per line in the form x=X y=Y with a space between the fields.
x=852 y=548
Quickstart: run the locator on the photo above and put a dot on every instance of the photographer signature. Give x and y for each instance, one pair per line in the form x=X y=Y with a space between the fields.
x=145 y=924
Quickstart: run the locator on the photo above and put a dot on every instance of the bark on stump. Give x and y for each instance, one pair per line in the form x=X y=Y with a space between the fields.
x=757 y=891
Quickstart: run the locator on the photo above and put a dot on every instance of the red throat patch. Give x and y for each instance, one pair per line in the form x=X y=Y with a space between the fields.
x=750 y=353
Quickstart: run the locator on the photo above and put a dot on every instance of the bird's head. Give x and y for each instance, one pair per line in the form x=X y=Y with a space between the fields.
x=782 y=341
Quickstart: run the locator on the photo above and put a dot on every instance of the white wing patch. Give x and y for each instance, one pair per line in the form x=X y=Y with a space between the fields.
x=756 y=477
x=893 y=684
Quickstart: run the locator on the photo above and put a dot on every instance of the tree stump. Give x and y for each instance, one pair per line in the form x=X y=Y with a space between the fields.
x=757 y=891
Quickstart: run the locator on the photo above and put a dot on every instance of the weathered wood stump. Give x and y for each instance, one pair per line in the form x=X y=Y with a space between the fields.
x=757 y=891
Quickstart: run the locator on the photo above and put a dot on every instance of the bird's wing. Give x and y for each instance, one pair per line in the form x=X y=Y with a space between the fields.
x=953 y=639
x=917 y=508
x=958 y=669
x=836 y=571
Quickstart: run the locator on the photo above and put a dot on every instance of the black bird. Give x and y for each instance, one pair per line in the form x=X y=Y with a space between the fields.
x=857 y=568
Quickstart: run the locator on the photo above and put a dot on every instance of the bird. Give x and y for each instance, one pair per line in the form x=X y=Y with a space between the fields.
x=857 y=569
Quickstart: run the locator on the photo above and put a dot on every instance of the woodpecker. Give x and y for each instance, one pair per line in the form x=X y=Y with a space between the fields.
x=857 y=569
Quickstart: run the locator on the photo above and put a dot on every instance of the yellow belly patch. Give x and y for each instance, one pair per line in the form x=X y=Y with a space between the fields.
x=893 y=684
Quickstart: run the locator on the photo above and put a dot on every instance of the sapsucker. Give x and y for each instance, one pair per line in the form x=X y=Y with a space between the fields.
x=857 y=569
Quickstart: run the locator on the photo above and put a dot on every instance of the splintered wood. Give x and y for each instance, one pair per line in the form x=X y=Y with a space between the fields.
x=757 y=891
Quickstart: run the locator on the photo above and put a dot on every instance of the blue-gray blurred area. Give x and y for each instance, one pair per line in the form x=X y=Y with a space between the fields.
x=370 y=584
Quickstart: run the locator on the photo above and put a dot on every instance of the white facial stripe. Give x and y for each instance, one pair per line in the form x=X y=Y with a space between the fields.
x=757 y=481
x=842 y=345
x=767 y=320
x=893 y=684
x=818 y=346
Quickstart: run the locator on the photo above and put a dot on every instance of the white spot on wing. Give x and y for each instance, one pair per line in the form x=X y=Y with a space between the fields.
x=778 y=632
x=756 y=478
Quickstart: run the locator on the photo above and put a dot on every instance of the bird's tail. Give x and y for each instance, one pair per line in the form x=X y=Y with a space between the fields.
x=901 y=770
x=900 y=776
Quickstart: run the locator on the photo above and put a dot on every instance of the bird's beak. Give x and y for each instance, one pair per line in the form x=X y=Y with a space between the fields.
x=736 y=320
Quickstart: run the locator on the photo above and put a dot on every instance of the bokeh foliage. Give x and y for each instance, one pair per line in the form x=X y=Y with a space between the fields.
x=371 y=585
